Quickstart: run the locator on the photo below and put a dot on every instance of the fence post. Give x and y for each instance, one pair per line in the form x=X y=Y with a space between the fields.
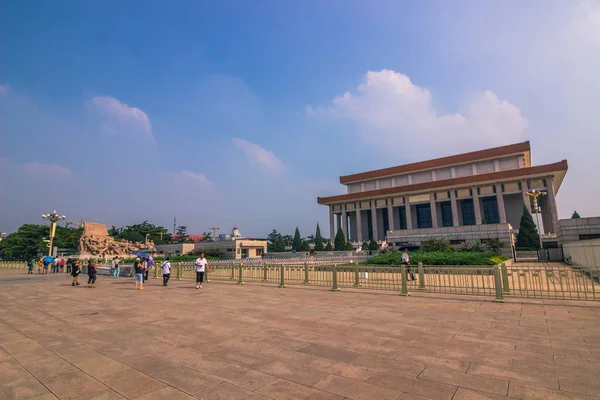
x=404 y=291
x=421 y=277
x=505 y=285
x=155 y=271
x=335 y=287
x=306 y=280
x=498 y=284
x=232 y=271
x=356 y=276
x=282 y=276
x=265 y=273
x=240 y=274
x=179 y=271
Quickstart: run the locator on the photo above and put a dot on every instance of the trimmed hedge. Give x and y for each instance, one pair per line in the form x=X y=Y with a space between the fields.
x=440 y=258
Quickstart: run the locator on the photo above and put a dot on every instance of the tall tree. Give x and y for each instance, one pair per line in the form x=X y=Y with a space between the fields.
x=275 y=242
x=328 y=247
x=297 y=242
x=182 y=236
x=318 y=239
x=340 y=240
x=575 y=215
x=528 y=235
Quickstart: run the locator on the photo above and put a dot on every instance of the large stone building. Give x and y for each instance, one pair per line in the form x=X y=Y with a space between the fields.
x=466 y=197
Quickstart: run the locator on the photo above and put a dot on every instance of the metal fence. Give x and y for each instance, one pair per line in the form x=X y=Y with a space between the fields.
x=555 y=254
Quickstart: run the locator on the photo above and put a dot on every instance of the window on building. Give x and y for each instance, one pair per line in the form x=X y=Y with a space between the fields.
x=423 y=216
x=402 y=214
x=259 y=252
x=386 y=221
x=589 y=236
x=490 y=210
x=446 y=208
x=369 y=224
x=468 y=211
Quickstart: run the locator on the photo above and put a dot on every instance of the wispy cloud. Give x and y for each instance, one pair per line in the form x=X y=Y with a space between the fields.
x=48 y=170
x=3 y=89
x=257 y=154
x=191 y=176
x=392 y=111
x=123 y=116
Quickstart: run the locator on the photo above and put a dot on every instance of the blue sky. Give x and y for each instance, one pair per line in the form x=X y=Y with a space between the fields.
x=243 y=113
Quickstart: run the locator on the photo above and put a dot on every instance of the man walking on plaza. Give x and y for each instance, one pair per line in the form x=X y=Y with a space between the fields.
x=406 y=262
x=166 y=270
x=116 y=270
x=201 y=265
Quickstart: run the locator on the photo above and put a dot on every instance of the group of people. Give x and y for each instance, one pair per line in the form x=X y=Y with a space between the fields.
x=141 y=267
x=55 y=266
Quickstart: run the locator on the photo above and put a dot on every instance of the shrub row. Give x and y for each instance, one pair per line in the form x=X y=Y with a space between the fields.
x=440 y=258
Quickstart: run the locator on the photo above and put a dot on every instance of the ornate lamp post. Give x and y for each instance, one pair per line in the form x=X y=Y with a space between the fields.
x=53 y=218
x=534 y=194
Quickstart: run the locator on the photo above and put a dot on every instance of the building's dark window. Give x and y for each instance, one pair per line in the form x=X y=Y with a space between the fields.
x=370 y=225
x=423 y=216
x=589 y=236
x=468 y=211
x=446 y=208
x=402 y=214
x=386 y=221
x=490 y=210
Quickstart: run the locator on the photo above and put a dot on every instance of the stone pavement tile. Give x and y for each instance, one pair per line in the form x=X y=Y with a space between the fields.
x=585 y=382
x=303 y=375
x=166 y=393
x=288 y=355
x=76 y=385
x=468 y=394
x=47 y=396
x=240 y=357
x=227 y=391
x=11 y=336
x=329 y=352
x=77 y=354
x=333 y=367
x=48 y=367
x=101 y=366
x=448 y=363
x=25 y=388
x=184 y=379
x=398 y=367
x=131 y=383
x=241 y=376
x=108 y=395
x=193 y=360
x=408 y=396
x=11 y=370
x=534 y=377
x=414 y=386
x=525 y=391
x=284 y=390
x=21 y=345
x=575 y=362
x=285 y=343
x=469 y=381
x=356 y=389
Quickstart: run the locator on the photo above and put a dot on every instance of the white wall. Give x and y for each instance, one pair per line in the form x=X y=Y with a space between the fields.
x=585 y=253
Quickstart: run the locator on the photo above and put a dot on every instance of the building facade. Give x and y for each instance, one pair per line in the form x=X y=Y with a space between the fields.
x=466 y=197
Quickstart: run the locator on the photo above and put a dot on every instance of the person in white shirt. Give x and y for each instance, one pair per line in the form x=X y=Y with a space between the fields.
x=201 y=265
x=406 y=262
x=166 y=270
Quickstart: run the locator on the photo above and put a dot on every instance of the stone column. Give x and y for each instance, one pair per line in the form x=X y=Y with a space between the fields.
x=358 y=223
x=345 y=222
x=390 y=214
x=331 y=225
x=374 y=221
x=476 y=207
x=525 y=190
x=500 y=201
x=454 y=205
x=552 y=203
x=408 y=213
x=432 y=205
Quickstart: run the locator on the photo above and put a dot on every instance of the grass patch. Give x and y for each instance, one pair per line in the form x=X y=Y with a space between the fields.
x=440 y=258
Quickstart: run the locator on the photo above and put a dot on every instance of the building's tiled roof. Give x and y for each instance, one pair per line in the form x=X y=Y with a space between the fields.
x=561 y=166
x=495 y=152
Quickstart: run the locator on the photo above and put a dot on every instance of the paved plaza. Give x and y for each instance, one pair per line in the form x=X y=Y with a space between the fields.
x=258 y=341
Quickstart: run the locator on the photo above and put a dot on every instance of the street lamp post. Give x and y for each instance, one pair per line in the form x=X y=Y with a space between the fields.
x=53 y=218
x=534 y=194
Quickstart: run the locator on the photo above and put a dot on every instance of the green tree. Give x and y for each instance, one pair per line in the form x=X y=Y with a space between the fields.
x=133 y=236
x=340 y=240
x=528 y=235
x=365 y=246
x=305 y=246
x=297 y=242
x=373 y=245
x=329 y=247
x=275 y=241
x=318 y=239
x=349 y=246
x=575 y=215
x=28 y=241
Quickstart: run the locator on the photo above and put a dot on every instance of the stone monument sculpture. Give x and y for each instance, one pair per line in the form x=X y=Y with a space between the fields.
x=95 y=241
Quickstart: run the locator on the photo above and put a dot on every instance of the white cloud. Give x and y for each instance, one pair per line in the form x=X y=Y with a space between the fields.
x=124 y=116
x=3 y=89
x=392 y=111
x=259 y=155
x=188 y=175
x=48 y=170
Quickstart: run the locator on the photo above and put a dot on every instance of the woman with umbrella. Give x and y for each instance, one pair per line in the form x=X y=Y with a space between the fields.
x=47 y=260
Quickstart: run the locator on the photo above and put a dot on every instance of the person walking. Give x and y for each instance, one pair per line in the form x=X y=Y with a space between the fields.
x=406 y=262
x=116 y=269
x=201 y=265
x=166 y=270
x=30 y=264
x=69 y=265
x=146 y=268
x=62 y=264
x=76 y=270
x=92 y=274
x=139 y=274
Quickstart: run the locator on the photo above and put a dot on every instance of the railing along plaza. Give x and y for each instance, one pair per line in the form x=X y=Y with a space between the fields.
x=540 y=281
